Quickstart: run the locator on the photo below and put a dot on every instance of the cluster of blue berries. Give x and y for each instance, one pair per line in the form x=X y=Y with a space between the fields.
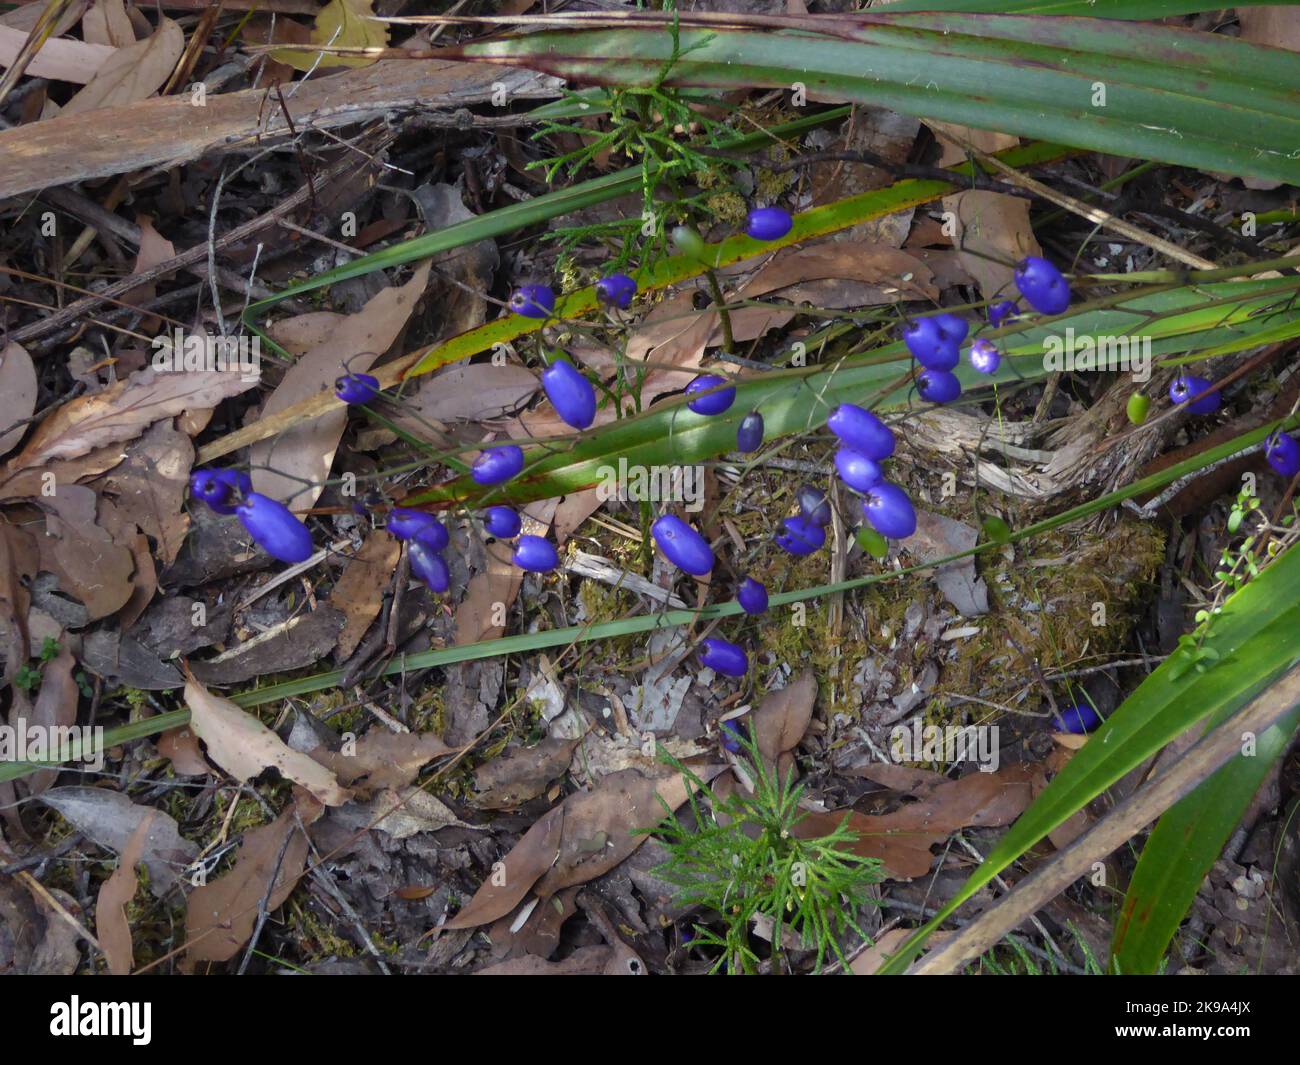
x=269 y=522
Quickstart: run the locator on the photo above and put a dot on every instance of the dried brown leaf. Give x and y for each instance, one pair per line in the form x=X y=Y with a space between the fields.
x=111 y=926
x=381 y=760
x=359 y=591
x=90 y=564
x=132 y=73
x=518 y=871
x=17 y=394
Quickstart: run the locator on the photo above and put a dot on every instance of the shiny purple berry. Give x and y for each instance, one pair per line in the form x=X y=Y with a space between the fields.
x=616 y=290
x=429 y=566
x=922 y=336
x=862 y=431
x=814 y=505
x=856 y=470
x=571 y=393
x=1002 y=311
x=1195 y=392
x=938 y=386
x=711 y=404
x=723 y=656
x=890 y=511
x=497 y=465
x=953 y=327
x=768 y=223
x=732 y=735
x=682 y=546
x=749 y=437
x=502 y=522
x=533 y=301
x=984 y=356
x=214 y=489
x=404 y=524
x=274 y=528
x=433 y=534
x=752 y=596
x=1042 y=285
x=353 y=388
x=238 y=480
x=535 y=554
x=1283 y=453
x=801 y=536
x=1078 y=719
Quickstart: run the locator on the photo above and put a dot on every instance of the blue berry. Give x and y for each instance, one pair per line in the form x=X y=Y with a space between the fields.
x=238 y=480
x=814 y=505
x=404 y=524
x=732 y=735
x=862 y=431
x=535 y=554
x=533 y=301
x=922 y=336
x=768 y=223
x=616 y=290
x=723 y=656
x=682 y=546
x=571 y=393
x=711 y=404
x=1078 y=719
x=749 y=437
x=856 y=470
x=1002 y=311
x=503 y=522
x=938 y=386
x=890 y=511
x=354 y=388
x=953 y=326
x=497 y=465
x=429 y=566
x=1283 y=453
x=985 y=357
x=801 y=536
x=1043 y=285
x=1195 y=392
x=274 y=528
x=432 y=534
x=752 y=596
x=214 y=489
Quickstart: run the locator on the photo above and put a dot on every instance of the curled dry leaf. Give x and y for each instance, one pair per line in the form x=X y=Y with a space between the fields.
x=132 y=73
x=91 y=566
x=149 y=487
x=359 y=591
x=111 y=926
x=221 y=915
x=520 y=774
x=783 y=717
x=305 y=453
x=120 y=412
x=380 y=761
x=241 y=745
x=55 y=708
x=17 y=394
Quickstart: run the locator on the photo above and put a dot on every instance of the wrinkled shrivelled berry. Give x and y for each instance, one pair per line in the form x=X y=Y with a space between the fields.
x=533 y=301
x=570 y=393
x=953 y=326
x=616 y=290
x=814 y=505
x=938 y=386
x=1078 y=719
x=1002 y=311
x=732 y=735
x=404 y=524
x=749 y=437
x=535 y=554
x=1043 y=285
x=354 y=388
x=801 y=536
x=1282 y=452
x=502 y=522
x=890 y=511
x=768 y=223
x=711 y=404
x=984 y=356
x=862 y=431
x=682 y=546
x=856 y=470
x=1195 y=392
x=429 y=566
x=497 y=465
x=752 y=596
x=274 y=528
x=723 y=656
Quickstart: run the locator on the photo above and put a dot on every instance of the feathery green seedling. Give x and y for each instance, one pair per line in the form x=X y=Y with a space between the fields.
x=739 y=858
